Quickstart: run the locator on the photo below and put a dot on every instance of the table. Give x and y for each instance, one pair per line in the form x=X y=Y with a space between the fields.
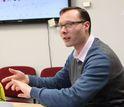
x=13 y=104
x=27 y=105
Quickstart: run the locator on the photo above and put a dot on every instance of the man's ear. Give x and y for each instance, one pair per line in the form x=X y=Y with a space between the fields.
x=86 y=25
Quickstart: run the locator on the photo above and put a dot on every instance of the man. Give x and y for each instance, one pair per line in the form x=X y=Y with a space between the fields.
x=92 y=76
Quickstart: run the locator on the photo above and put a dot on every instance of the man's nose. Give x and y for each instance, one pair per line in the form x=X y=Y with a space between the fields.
x=63 y=29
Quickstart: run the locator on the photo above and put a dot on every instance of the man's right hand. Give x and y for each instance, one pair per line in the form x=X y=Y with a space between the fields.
x=17 y=75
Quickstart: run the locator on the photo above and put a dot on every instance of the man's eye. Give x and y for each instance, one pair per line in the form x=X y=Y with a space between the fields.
x=69 y=24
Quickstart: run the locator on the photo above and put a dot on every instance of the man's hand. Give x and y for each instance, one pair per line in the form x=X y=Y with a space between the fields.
x=17 y=75
x=23 y=87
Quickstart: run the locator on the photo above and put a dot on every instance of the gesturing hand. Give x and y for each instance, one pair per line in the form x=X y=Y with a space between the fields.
x=23 y=87
x=17 y=75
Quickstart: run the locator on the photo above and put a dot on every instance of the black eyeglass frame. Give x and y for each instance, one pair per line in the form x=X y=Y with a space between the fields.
x=70 y=24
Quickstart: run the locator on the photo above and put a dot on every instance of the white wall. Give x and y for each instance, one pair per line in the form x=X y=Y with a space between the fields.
x=107 y=22
x=27 y=44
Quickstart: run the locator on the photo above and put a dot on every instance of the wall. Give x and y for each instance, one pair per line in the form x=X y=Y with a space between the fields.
x=27 y=44
x=107 y=22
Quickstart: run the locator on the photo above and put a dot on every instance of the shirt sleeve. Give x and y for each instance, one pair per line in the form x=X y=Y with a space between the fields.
x=60 y=80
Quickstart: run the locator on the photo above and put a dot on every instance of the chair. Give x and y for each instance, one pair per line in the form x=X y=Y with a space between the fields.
x=4 y=72
x=50 y=72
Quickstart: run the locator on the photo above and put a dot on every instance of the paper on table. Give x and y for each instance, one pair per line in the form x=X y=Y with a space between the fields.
x=6 y=104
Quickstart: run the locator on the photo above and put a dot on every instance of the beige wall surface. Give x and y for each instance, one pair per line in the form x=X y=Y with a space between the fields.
x=27 y=44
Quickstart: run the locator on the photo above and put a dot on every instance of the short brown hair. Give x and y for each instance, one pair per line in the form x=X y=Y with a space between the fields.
x=84 y=15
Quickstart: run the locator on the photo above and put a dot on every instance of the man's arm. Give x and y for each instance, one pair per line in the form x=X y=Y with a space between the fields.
x=60 y=80
x=94 y=78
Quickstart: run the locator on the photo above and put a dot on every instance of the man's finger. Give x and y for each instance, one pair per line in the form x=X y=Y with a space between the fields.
x=21 y=95
x=13 y=87
x=17 y=88
x=6 y=79
x=13 y=71
x=9 y=84
x=9 y=77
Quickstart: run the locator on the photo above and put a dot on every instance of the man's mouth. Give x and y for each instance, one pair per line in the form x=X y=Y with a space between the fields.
x=66 y=39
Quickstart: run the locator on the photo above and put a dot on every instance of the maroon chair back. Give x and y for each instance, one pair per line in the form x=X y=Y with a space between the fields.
x=4 y=72
x=50 y=72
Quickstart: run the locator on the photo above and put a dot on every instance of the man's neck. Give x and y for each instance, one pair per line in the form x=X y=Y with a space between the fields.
x=81 y=45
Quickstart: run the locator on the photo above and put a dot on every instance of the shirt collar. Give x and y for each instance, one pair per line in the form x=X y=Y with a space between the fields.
x=81 y=56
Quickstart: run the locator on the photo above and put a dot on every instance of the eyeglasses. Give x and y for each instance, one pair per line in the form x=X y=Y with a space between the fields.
x=69 y=24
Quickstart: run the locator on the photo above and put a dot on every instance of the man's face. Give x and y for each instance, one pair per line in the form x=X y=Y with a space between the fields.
x=73 y=34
